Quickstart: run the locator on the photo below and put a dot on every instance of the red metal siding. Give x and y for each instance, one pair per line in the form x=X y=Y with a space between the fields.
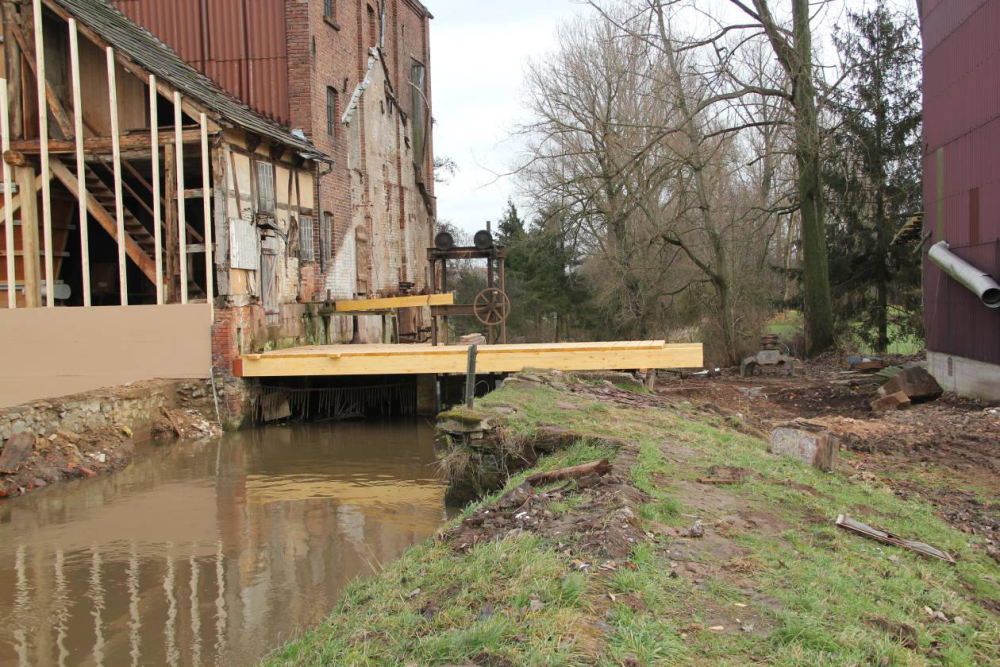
x=962 y=119
x=239 y=43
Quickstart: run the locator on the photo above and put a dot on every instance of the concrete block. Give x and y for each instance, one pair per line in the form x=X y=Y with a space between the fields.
x=806 y=442
x=895 y=401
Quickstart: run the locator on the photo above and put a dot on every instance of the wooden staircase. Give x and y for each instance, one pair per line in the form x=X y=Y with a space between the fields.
x=140 y=244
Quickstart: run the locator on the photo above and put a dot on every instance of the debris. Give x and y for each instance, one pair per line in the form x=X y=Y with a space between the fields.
x=808 y=442
x=536 y=604
x=847 y=523
x=865 y=363
x=173 y=422
x=601 y=467
x=516 y=497
x=904 y=633
x=915 y=382
x=697 y=530
x=412 y=594
x=896 y=401
x=16 y=451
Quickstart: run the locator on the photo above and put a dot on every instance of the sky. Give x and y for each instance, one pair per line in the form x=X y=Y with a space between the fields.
x=479 y=52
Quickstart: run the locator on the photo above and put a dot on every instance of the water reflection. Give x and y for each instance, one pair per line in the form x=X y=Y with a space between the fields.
x=210 y=553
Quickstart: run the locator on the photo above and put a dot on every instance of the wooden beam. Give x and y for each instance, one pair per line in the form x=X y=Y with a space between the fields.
x=12 y=66
x=101 y=215
x=181 y=222
x=43 y=137
x=81 y=166
x=17 y=198
x=396 y=302
x=206 y=186
x=25 y=177
x=15 y=158
x=154 y=132
x=417 y=359
x=55 y=104
x=8 y=198
x=132 y=141
x=117 y=157
x=170 y=226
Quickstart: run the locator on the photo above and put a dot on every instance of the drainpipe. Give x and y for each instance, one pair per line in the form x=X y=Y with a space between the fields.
x=977 y=281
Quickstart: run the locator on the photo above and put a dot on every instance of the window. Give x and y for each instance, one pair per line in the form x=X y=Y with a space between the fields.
x=307 y=245
x=373 y=36
x=265 y=187
x=326 y=237
x=332 y=112
x=418 y=117
x=328 y=9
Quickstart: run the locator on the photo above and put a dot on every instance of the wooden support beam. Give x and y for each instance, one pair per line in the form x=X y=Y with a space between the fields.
x=181 y=222
x=154 y=132
x=170 y=227
x=132 y=141
x=8 y=198
x=43 y=137
x=55 y=104
x=206 y=186
x=17 y=198
x=396 y=302
x=32 y=277
x=12 y=66
x=117 y=157
x=81 y=166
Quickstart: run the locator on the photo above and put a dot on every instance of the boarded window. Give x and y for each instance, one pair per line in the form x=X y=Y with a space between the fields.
x=328 y=9
x=417 y=76
x=332 y=112
x=307 y=245
x=244 y=245
x=265 y=188
x=361 y=259
x=326 y=236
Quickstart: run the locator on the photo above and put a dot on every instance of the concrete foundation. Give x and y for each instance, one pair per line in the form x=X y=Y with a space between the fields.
x=966 y=377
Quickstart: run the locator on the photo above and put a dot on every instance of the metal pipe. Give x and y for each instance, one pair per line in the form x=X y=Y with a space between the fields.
x=976 y=280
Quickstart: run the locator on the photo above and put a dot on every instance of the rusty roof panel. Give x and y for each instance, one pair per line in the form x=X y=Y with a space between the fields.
x=156 y=57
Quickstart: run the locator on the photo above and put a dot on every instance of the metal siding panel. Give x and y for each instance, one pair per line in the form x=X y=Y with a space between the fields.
x=244 y=247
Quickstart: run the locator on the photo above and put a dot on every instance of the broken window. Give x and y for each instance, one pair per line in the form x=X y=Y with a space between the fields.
x=418 y=74
x=307 y=246
x=332 y=112
x=265 y=188
x=326 y=237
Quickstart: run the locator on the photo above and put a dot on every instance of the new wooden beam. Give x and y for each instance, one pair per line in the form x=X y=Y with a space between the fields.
x=81 y=167
x=395 y=302
x=119 y=196
x=181 y=223
x=29 y=237
x=8 y=197
x=154 y=135
x=43 y=137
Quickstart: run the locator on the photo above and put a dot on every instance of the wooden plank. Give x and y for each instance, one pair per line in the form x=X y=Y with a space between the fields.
x=117 y=157
x=181 y=222
x=154 y=140
x=489 y=360
x=43 y=137
x=170 y=224
x=29 y=237
x=377 y=350
x=207 y=204
x=81 y=167
x=132 y=141
x=396 y=302
x=8 y=197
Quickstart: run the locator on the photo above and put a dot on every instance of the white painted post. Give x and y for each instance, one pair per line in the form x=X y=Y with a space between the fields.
x=81 y=174
x=181 y=223
x=8 y=199
x=154 y=136
x=206 y=191
x=116 y=151
x=43 y=137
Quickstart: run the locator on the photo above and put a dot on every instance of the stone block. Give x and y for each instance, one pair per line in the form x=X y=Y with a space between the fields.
x=806 y=442
x=895 y=401
x=915 y=382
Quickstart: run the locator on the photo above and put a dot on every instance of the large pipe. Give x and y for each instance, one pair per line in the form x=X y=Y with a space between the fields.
x=976 y=280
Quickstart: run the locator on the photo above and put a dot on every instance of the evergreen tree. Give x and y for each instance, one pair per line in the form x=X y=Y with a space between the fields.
x=873 y=176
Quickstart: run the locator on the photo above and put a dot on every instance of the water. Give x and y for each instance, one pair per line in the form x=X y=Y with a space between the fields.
x=210 y=553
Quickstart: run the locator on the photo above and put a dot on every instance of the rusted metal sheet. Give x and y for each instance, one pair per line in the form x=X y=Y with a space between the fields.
x=241 y=44
x=961 y=169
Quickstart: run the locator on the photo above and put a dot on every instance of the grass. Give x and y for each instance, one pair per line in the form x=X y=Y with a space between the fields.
x=823 y=594
x=792 y=324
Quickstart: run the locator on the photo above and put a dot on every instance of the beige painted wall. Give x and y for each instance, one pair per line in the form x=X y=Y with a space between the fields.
x=50 y=352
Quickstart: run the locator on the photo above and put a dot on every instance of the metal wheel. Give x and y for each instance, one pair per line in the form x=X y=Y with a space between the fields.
x=491 y=306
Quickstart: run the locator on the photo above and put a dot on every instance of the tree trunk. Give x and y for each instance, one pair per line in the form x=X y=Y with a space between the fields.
x=816 y=277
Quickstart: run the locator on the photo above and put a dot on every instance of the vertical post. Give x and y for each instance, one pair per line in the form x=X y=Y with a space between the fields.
x=470 y=377
x=81 y=176
x=154 y=136
x=8 y=199
x=206 y=196
x=116 y=151
x=503 y=288
x=170 y=224
x=181 y=223
x=26 y=186
x=43 y=139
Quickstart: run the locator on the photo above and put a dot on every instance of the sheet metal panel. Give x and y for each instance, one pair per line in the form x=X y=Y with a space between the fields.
x=244 y=245
x=241 y=44
x=962 y=117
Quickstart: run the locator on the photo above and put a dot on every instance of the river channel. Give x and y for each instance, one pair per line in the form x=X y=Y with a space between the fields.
x=211 y=553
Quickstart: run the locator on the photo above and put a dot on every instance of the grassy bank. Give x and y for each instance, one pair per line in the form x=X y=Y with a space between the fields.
x=771 y=581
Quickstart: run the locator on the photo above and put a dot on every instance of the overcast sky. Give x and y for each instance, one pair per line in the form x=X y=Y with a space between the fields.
x=479 y=51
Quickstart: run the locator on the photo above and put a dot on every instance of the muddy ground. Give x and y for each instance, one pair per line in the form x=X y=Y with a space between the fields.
x=946 y=451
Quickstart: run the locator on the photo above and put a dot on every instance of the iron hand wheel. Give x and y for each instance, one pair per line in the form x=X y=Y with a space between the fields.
x=491 y=306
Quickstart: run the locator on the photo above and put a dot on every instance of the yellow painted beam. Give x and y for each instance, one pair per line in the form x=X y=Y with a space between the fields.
x=396 y=302
x=416 y=360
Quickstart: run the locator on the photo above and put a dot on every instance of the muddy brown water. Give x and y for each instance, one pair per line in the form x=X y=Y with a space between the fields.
x=211 y=553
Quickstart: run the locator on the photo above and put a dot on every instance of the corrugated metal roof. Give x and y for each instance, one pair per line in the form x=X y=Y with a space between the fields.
x=153 y=55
